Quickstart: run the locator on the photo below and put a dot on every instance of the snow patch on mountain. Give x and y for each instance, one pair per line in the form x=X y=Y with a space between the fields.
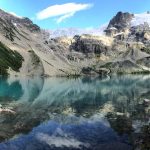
x=140 y=19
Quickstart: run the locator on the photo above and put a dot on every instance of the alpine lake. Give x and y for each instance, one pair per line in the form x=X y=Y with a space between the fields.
x=85 y=113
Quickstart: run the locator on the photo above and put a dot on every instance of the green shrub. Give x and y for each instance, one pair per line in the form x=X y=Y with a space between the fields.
x=9 y=58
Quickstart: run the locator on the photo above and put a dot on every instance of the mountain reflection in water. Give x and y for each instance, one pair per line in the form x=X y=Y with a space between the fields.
x=71 y=114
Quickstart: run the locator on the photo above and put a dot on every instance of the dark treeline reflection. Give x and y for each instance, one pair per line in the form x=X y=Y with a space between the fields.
x=82 y=113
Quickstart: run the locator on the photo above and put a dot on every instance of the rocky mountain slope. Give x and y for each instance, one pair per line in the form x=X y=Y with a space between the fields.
x=124 y=48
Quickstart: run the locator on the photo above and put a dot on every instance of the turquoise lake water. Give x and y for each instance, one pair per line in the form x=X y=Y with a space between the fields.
x=74 y=113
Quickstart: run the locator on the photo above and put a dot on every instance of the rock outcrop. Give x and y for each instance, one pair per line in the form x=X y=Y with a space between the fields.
x=91 y=44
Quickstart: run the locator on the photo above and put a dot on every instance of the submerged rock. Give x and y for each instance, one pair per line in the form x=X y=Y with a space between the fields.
x=142 y=141
x=120 y=123
x=6 y=110
x=147 y=101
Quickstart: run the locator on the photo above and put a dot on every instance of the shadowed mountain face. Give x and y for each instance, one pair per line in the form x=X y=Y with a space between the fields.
x=121 y=21
x=124 y=47
x=61 y=113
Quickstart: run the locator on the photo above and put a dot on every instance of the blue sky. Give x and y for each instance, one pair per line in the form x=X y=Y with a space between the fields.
x=51 y=14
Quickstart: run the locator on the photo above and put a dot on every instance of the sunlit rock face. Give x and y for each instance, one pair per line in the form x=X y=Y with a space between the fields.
x=111 y=108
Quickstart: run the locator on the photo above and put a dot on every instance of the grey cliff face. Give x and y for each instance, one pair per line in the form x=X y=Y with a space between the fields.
x=87 y=44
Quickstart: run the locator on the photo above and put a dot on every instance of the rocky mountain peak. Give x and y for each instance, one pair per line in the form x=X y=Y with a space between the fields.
x=121 y=20
x=10 y=19
x=119 y=23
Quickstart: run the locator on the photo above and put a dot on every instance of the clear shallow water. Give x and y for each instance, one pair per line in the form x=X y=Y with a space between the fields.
x=71 y=114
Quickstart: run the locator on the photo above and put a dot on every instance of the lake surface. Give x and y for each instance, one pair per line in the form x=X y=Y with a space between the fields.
x=70 y=114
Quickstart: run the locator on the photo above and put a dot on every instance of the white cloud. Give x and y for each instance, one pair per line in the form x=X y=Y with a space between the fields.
x=60 y=19
x=63 y=11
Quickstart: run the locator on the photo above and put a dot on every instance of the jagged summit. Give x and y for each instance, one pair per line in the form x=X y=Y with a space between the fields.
x=121 y=21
